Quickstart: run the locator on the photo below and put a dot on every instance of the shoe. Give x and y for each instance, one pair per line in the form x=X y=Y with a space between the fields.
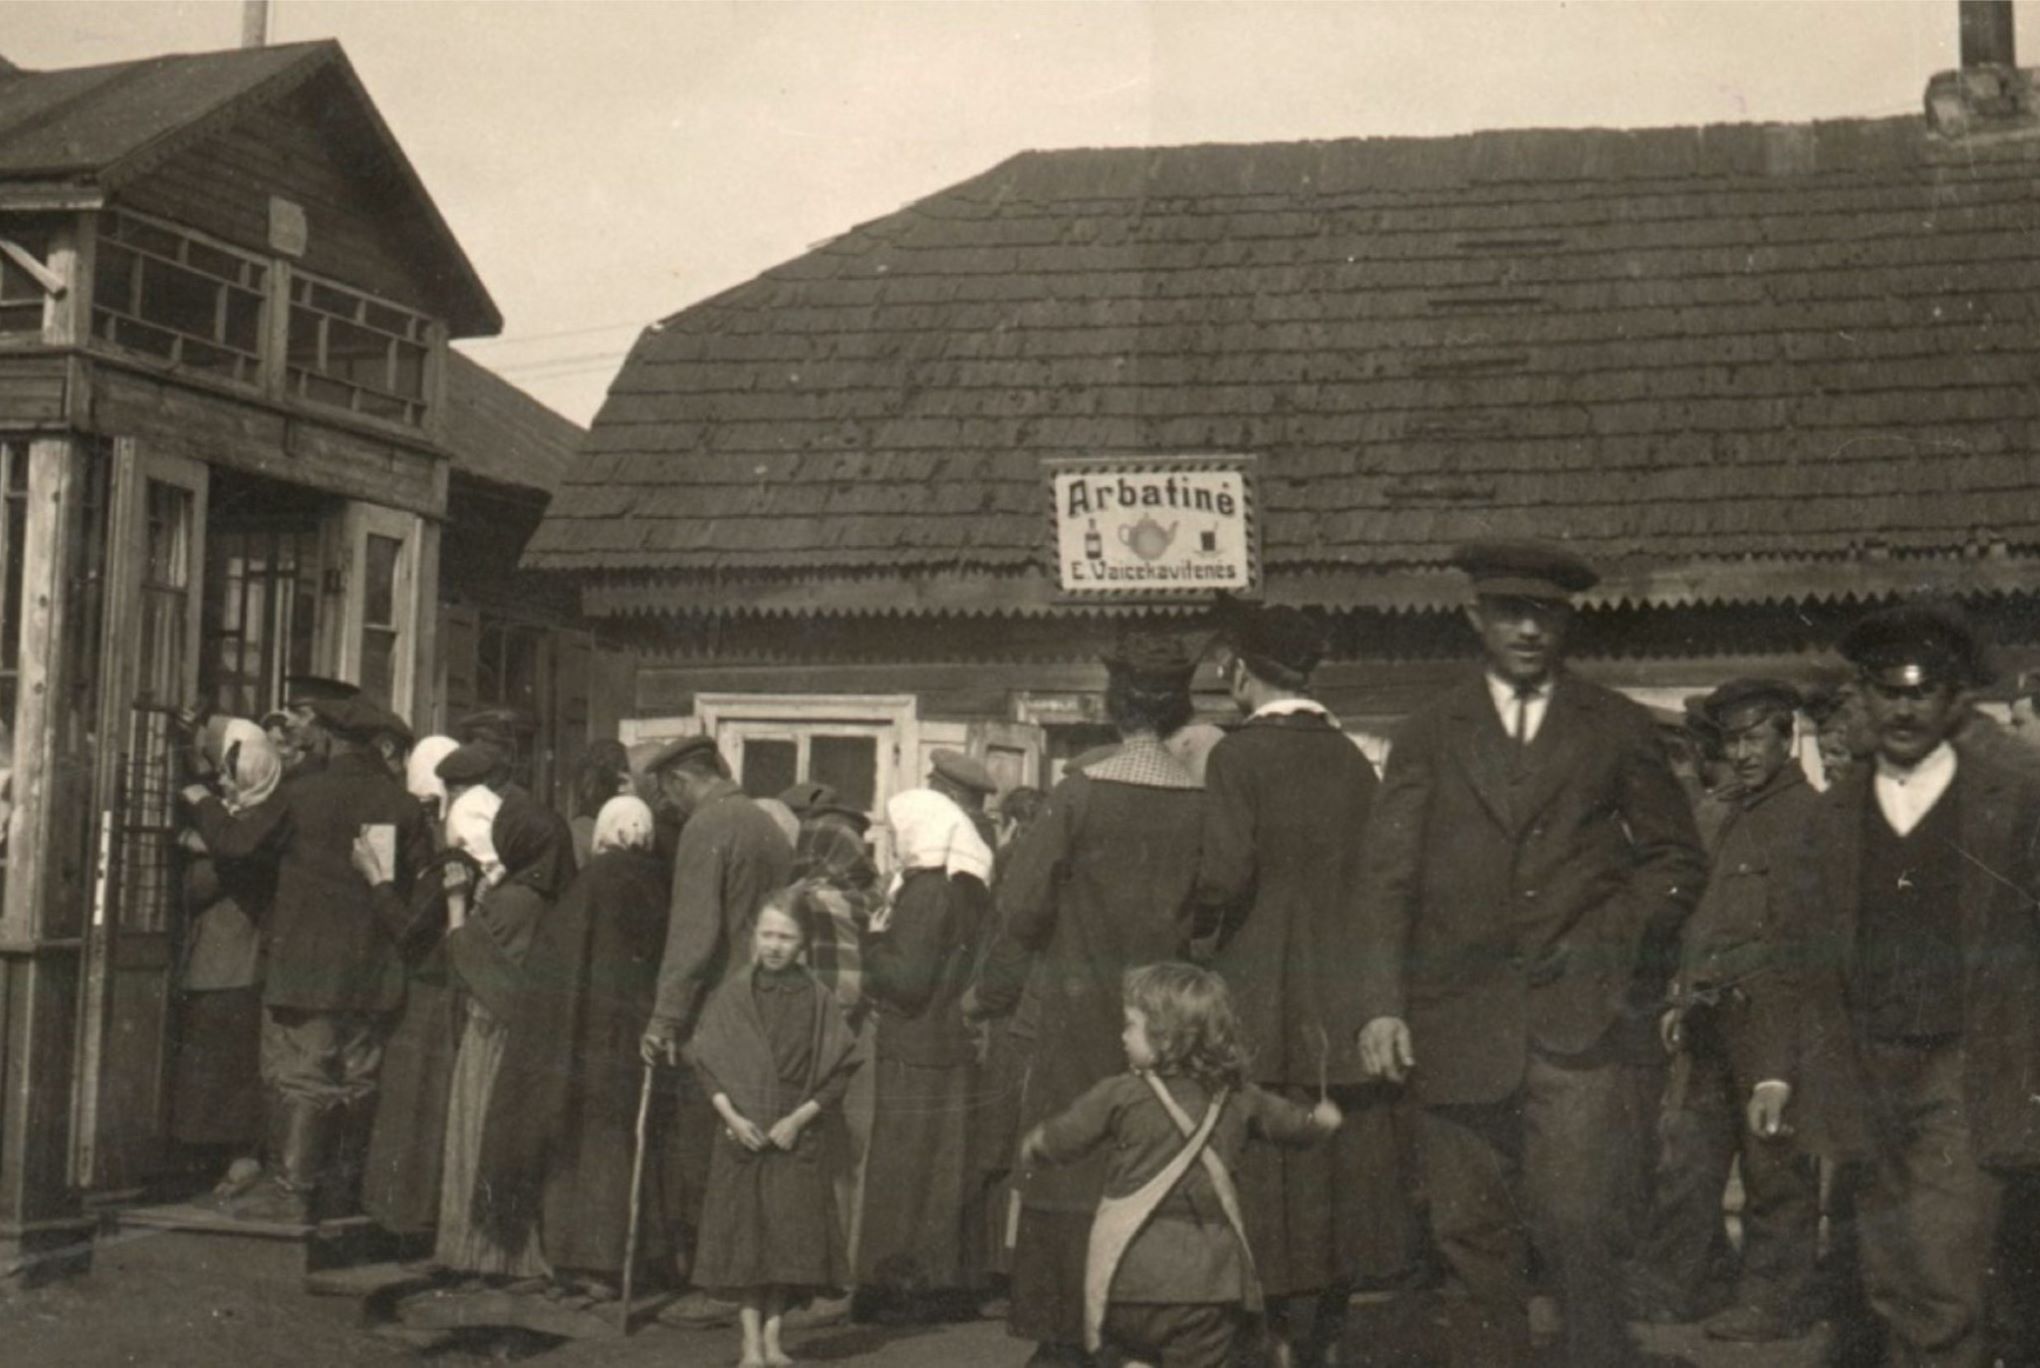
x=274 y=1203
x=1750 y=1324
x=298 y=1137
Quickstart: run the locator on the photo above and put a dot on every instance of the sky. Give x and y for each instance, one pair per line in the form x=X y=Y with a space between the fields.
x=606 y=164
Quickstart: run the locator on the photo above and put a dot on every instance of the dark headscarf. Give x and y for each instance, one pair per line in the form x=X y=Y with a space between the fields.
x=535 y=845
x=537 y=854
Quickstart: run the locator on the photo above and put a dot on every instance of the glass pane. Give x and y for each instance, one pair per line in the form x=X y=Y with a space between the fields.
x=769 y=766
x=357 y=355
x=332 y=300
x=168 y=565
x=212 y=261
x=304 y=339
x=378 y=665
x=179 y=299
x=21 y=318
x=848 y=764
x=244 y=321
x=379 y=604
x=520 y=670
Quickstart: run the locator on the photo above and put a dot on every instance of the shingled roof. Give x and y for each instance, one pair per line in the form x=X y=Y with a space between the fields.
x=1742 y=346
x=499 y=433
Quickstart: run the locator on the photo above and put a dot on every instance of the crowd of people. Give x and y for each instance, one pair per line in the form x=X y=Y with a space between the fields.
x=1505 y=1015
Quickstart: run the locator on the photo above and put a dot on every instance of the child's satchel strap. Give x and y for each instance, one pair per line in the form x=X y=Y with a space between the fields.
x=1119 y=1219
x=1221 y=1181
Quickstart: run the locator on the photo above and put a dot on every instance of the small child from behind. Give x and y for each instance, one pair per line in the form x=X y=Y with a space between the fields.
x=775 y=1055
x=1169 y=1280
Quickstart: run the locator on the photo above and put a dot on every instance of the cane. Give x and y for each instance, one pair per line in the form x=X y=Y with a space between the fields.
x=637 y=1188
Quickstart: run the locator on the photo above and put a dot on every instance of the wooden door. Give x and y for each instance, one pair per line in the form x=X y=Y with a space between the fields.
x=150 y=656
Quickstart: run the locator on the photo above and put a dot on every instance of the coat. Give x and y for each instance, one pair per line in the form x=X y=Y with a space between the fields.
x=1998 y=817
x=1526 y=901
x=328 y=949
x=918 y=970
x=1099 y=884
x=731 y=858
x=1287 y=798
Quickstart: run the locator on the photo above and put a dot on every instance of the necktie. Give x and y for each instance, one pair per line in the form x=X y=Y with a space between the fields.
x=1524 y=693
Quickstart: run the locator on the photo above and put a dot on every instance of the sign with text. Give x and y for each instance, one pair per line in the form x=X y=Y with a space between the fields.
x=1165 y=527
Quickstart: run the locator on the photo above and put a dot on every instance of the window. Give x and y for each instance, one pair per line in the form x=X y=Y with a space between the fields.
x=772 y=756
x=357 y=353
x=507 y=667
x=165 y=294
x=380 y=626
x=261 y=615
x=21 y=294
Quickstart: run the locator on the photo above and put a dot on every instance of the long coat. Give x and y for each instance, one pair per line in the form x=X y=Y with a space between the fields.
x=1099 y=884
x=1521 y=897
x=1998 y=818
x=731 y=858
x=1287 y=798
x=328 y=948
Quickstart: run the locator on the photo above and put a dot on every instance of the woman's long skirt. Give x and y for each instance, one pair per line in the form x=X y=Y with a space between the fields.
x=400 y=1181
x=216 y=1088
x=462 y=1243
x=921 y=1229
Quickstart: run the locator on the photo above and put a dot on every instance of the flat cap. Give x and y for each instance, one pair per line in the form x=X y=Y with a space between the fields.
x=1524 y=569
x=388 y=723
x=1287 y=639
x=300 y=690
x=810 y=794
x=501 y=725
x=1742 y=703
x=964 y=771
x=1151 y=660
x=1921 y=642
x=353 y=717
x=471 y=763
x=678 y=749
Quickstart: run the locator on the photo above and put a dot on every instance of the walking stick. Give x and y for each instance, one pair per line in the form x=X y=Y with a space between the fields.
x=637 y=1188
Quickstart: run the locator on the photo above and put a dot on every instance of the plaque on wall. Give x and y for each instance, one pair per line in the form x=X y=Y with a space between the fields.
x=1157 y=527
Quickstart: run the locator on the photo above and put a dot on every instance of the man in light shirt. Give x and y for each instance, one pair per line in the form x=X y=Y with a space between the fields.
x=1919 y=984
x=1530 y=860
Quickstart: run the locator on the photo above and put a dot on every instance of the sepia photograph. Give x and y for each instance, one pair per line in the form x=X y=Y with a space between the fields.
x=1020 y=683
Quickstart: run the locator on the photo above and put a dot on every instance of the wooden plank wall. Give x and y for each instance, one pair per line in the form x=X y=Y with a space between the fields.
x=32 y=390
x=223 y=185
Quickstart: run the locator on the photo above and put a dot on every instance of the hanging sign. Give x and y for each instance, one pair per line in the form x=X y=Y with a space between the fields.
x=1166 y=527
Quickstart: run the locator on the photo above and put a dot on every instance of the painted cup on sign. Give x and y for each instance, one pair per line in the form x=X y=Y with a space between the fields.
x=1207 y=540
x=1147 y=538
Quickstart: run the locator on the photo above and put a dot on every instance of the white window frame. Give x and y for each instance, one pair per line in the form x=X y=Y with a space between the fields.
x=357 y=524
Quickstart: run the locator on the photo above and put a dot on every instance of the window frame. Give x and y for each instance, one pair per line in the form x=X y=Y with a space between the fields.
x=251 y=369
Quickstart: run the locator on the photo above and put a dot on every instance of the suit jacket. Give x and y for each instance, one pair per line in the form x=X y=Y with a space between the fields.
x=1286 y=800
x=1998 y=817
x=1522 y=897
x=329 y=948
x=731 y=858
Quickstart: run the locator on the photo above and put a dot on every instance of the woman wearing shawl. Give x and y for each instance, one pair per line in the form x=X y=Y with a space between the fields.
x=920 y=1239
x=1099 y=885
x=562 y=1125
x=400 y=1181
x=216 y=1092
x=484 y=955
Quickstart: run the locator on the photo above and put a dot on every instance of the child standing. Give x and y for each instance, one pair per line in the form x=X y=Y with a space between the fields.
x=1169 y=1279
x=775 y=1056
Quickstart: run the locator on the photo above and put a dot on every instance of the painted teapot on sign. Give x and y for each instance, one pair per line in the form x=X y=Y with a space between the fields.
x=1147 y=538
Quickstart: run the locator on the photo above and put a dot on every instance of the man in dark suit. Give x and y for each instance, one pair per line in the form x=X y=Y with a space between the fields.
x=1728 y=973
x=1918 y=990
x=1287 y=796
x=1529 y=864
x=333 y=979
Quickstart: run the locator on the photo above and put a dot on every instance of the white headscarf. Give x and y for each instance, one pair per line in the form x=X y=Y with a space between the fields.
x=421 y=778
x=931 y=832
x=250 y=766
x=468 y=824
x=625 y=823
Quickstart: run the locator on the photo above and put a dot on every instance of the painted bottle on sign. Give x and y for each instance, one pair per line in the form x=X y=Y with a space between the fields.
x=1094 y=545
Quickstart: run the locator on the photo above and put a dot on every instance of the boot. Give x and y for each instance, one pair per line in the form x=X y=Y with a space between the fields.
x=340 y=1186
x=298 y=1138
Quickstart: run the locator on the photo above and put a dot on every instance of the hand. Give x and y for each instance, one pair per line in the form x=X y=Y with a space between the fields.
x=746 y=1133
x=1671 y=1029
x=969 y=1005
x=660 y=1044
x=368 y=863
x=1768 y=1101
x=194 y=794
x=881 y=919
x=1326 y=1115
x=785 y=1132
x=1031 y=1148
x=1385 y=1050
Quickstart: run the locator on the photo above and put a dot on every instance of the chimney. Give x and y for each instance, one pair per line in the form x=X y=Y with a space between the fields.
x=255 y=24
x=1987 y=33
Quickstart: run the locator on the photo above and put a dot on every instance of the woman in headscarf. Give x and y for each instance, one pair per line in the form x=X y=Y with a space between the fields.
x=556 y=1152
x=921 y=1239
x=604 y=773
x=216 y=1089
x=400 y=1181
x=485 y=955
x=1099 y=884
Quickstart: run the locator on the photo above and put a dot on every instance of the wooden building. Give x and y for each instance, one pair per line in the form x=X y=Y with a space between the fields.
x=234 y=446
x=1760 y=374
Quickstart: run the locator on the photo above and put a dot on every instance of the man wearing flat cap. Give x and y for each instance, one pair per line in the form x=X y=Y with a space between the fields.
x=1529 y=865
x=1098 y=885
x=1287 y=797
x=333 y=977
x=1918 y=965
x=1731 y=988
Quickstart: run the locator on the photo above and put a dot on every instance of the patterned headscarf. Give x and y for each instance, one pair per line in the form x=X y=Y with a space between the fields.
x=625 y=823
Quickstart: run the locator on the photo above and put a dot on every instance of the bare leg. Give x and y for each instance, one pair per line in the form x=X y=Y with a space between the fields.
x=775 y=1309
x=748 y=1316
